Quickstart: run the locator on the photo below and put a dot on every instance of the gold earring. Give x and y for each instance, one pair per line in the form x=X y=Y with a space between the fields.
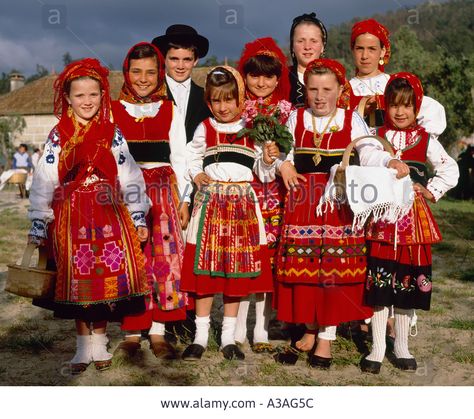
x=381 y=61
x=69 y=111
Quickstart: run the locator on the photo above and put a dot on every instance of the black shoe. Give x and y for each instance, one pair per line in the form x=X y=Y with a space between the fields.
x=316 y=361
x=370 y=366
x=233 y=352
x=406 y=364
x=193 y=352
x=288 y=356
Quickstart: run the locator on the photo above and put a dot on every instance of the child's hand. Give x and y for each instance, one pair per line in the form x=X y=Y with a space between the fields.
x=184 y=214
x=201 y=180
x=370 y=105
x=270 y=152
x=401 y=168
x=38 y=241
x=290 y=176
x=142 y=233
x=419 y=188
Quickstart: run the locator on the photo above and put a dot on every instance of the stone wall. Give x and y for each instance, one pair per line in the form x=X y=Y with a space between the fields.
x=37 y=130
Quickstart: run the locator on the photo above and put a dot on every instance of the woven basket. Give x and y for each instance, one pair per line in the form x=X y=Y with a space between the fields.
x=18 y=178
x=31 y=282
x=340 y=176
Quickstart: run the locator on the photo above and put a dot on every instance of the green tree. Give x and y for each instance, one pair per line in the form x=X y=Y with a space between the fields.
x=41 y=71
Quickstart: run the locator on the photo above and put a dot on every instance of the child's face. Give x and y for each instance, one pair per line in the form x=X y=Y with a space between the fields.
x=261 y=86
x=179 y=63
x=308 y=43
x=224 y=109
x=323 y=91
x=367 y=52
x=84 y=98
x=143 y=75
x=402 y=115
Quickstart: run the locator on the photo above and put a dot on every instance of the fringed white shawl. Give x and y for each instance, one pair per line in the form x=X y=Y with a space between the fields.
x=371 y=192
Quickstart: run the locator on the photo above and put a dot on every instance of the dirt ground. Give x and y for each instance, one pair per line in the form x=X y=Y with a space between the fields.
x=35 y=347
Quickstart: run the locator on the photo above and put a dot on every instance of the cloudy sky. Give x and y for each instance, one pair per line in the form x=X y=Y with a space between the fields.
x=40 y=31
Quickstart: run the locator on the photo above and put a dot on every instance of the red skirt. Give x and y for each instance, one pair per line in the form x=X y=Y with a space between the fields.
x=226 y=246
x=320 y=253
x=164 y=253
x=96 y=249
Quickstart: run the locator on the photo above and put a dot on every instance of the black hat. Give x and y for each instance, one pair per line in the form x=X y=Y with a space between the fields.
x=182 y=34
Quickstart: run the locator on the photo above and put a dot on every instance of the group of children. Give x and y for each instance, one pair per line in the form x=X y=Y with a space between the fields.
x=112 y=198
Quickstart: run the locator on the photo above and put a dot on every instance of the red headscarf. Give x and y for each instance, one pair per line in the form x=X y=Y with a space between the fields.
x=267 y=46
x=339 y=71
x=377 y=29
x=84 y=146
x=415 y=84
x=128 y=93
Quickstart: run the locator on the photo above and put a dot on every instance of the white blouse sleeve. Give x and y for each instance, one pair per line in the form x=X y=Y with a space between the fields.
x=45 y=181
x=291 y=125
x=195 y=152
x=445 y=167
x=371 y=152
x=432 y=116
x=132 y=184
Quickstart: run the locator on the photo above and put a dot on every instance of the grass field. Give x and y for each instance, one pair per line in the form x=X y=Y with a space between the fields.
x=35 y=348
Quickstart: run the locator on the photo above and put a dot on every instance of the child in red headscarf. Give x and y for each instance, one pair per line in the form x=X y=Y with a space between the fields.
x=371 y=50
x=226 y=242
x=76 y=197
x=157 y=139
x=321 y=262
x=263 y=67
x=399 y=261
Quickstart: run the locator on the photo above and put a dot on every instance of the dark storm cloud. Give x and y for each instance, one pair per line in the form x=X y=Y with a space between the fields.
x=38 y=32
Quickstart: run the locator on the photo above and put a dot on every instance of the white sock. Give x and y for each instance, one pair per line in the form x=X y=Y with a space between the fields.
x=157 y=328
x=83 y=353
x=133 y=335
x=402 y=330
x=241 y=325
x=202 y=330
x=263 y=312
x=379 y=330
x=228 y=331
x=327 y=333
x=99 y=347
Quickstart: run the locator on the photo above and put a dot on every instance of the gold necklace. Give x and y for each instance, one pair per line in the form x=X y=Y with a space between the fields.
x=318 y=136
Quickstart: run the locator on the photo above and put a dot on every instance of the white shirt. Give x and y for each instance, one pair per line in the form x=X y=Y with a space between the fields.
x=180 y=92
x=225 y=171
x=370 y=151
x=46 y=179
x=445 y=167
x=177 y=136
x=431 y=116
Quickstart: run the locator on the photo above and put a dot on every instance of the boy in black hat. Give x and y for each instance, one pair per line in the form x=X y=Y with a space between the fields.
x=182 y=46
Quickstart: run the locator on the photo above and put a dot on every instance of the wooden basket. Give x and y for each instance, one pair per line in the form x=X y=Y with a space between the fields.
x=340 y=176
x=18 y=178
x=31 y=282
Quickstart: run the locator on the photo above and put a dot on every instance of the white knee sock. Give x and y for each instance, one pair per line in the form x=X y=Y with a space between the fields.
x=241 y=325
x=202 y=330
x=157 y=328
x=99 y=347
x=83 y=353
x=402 y=330
x=228 y=331
x=379 y=330
x=327 y=333
x=263 y=312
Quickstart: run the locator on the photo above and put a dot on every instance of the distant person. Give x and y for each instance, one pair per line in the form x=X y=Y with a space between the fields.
x=21 y=164
x=308 y=39
x=182 y=47
x=35 y=157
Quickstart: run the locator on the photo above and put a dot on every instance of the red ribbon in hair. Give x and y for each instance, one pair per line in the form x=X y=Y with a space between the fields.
x=339 y=71
x=267 y=46
x=377 y=29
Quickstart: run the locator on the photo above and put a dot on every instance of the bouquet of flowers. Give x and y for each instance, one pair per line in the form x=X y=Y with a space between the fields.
x=267 y=123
